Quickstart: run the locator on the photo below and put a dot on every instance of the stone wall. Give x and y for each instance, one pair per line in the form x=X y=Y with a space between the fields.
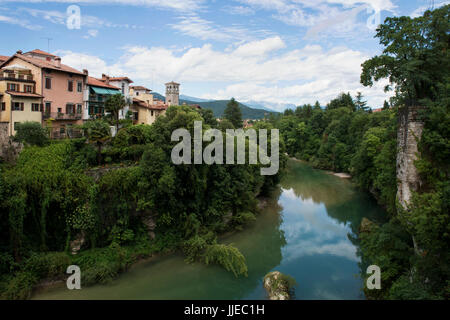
x=9 y=150
x=408 y=135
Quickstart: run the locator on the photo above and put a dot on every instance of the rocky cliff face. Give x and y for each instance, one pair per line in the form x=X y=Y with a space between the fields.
x=408 y=136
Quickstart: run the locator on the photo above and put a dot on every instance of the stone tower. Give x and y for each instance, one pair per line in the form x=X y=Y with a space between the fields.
x=173 y=93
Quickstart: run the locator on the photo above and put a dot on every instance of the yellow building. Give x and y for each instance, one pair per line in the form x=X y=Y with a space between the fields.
x=145 y=108
x=19 y=101
x=144 y=113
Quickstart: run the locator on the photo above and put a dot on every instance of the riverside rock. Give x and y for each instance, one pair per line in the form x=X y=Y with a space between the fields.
x=277 y=286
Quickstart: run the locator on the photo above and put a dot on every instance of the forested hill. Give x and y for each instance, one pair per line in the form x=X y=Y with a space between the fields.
x=218 y=107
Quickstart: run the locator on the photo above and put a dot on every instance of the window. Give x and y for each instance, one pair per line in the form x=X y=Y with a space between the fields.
x=70 y=108
x=35 y=107
x=48 y=83
x=123 y=88
x=79 y=108
x=70 y=85
x=79 y=86
x=12 y=87
x=3 y=106
x=152 y=113
x=59 y=110
x=28 y=88
x=48 y=106
x=17 y=106
x=137 y=93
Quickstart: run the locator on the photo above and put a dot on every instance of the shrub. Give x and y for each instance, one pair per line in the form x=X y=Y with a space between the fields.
x=19 y=287
x=31 y=133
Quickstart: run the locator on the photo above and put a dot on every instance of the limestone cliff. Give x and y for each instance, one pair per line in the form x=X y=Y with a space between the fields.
x=408 y=136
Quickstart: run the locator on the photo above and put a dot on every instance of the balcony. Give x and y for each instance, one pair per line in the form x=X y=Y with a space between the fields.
x=61 y=116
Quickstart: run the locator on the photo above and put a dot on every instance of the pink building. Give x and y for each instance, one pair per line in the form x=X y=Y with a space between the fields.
x=61 y=86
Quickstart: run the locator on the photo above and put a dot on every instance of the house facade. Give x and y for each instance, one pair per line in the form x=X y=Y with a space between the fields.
x=61 y=86
x=123 y=83
x=95 y=95
x=19 y=101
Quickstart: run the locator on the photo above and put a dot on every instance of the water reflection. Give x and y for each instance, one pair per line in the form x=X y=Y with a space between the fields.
x=308 y=230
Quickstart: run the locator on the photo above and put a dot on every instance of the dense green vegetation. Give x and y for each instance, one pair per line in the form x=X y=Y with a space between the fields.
x=412 y=248
x=106 y=193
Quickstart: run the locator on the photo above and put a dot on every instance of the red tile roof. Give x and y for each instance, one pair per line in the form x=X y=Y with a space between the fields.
x=139 y=88
x=143 y=104
x=98 y=83
x=4 y=58
x=120 y=79
x=37 y=51
x=44 y=64
x=24 y=94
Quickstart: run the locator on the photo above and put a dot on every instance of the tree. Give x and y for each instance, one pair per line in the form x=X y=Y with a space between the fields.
x=233 y=113
x=360 y=103
x=415 y=57
x=113 y=105
x=385 y=105
x=344 y=100
x=97 y=132
x=31 y=133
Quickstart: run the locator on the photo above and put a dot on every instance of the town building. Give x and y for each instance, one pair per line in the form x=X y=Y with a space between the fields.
x=19 y=101
x=123 y=83
x=96 y=93
x=61 y=86
x=145 y=108
x=172 y=94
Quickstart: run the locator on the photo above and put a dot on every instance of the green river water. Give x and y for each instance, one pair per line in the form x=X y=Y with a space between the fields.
x=308 y=231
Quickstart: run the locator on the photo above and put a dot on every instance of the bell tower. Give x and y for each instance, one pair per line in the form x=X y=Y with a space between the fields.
x=172 y=94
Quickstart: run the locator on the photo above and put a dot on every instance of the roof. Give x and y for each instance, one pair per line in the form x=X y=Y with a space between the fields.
x=44 y=64
x=24 y=94
x=37 y=51
x=139 y=88
x=143 y=104
x=98 y=83
x=3 y=58
x=172 y=82
x=120 y=79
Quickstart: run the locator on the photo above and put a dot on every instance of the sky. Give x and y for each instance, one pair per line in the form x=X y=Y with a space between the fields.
x=272 y=52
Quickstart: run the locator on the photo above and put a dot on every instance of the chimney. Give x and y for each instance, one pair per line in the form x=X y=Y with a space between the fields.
x=86 y=72
x=19 y=52
x=58 y=62
x=105 y=78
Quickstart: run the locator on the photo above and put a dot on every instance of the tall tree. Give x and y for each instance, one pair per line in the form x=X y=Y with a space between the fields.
x=113 y=105
x=415 y=57
x=360 y=103
x=233 y=113
x=98 y=133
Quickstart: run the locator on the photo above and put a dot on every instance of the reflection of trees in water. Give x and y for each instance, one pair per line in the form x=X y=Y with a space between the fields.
x=342 y=200
x=309 y=183
x=261 y=245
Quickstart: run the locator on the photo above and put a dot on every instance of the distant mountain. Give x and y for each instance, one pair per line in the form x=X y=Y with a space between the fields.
x=218 y=107
x=188 y=98
x=268 y=106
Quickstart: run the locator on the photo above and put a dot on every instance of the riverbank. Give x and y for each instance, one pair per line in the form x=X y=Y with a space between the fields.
x=59 y=282
x=329 y=209
x=341 y=175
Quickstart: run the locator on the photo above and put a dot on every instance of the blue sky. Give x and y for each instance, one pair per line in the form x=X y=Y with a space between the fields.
x=276 y=52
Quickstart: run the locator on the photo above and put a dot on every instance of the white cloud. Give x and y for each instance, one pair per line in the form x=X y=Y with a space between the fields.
x=92 y=33
x=19 y=22
x=247 y=73
x=239 y=10
x=421 y=10
x=59 y=17
x=181 y=5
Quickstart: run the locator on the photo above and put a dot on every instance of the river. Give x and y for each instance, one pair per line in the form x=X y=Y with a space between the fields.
x=308 y=231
